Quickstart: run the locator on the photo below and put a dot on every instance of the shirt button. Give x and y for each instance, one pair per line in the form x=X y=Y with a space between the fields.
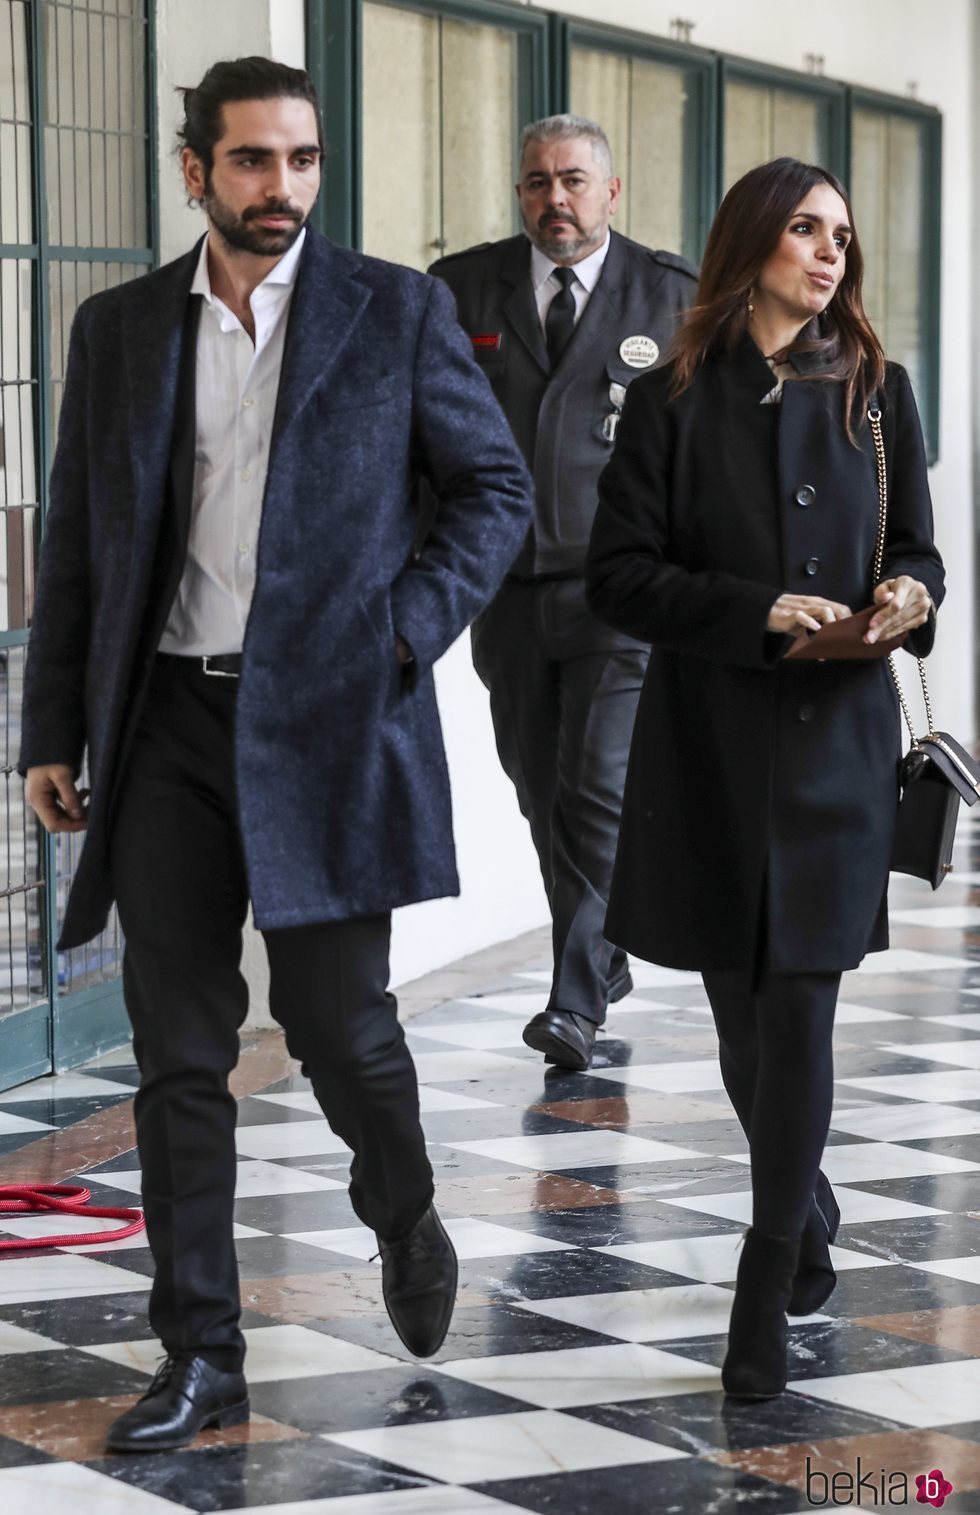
x=806 y=712
x=246 y=474
x=248 y=401
x=811 y=565
x=805 y=495
x=244 y=549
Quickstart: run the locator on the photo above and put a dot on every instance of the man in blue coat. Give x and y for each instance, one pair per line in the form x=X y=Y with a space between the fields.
x=232 y=622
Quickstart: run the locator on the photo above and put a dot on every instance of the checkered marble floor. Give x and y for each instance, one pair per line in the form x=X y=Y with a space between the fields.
x=598 y=1219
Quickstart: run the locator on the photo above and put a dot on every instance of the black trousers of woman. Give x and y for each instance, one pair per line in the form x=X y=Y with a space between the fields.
x=179 y=878
x=775 y=1033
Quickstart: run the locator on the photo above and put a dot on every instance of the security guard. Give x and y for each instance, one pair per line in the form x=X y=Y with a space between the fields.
x=561 y=321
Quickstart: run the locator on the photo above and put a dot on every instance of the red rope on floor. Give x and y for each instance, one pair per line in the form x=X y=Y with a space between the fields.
x=63 y=1199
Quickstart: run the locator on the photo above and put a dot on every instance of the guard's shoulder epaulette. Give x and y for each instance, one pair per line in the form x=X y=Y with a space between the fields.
x=674 y=260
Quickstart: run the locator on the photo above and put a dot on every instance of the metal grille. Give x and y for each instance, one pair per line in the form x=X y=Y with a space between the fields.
x=74 y=219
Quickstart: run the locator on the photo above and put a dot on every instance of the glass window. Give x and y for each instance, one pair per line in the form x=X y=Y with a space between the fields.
x=891 y=153
x=438 y=174
x=765 y=119
x=652 y=112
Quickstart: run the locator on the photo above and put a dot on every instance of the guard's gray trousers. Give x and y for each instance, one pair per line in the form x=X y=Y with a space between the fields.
x=563 y=694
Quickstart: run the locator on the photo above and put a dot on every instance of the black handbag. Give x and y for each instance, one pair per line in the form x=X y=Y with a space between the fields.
x=936 y=772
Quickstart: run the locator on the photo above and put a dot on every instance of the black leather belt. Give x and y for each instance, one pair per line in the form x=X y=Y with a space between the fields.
x=226 y=665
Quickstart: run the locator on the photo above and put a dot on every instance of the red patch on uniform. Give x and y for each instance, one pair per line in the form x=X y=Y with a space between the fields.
x=487 y=339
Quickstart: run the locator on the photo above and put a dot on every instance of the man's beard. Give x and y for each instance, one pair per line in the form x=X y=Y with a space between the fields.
x=560 y=248
x=240 y=232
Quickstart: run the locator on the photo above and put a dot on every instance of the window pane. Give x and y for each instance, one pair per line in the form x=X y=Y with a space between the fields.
x=888 y=167
x=22 y=956
x=16 y=208
x=762 y=122
x=18 y=472
x=438 y=173
x=649 y=111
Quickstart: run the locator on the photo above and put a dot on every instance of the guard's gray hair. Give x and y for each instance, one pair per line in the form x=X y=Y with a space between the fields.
x=561 y=128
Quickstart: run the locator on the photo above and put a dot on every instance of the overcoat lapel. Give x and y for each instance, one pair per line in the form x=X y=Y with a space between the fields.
x=519 y=305
x=326 y=308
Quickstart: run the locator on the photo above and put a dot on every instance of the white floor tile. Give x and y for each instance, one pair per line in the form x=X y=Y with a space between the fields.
x=942 y=917
x=962 y=1053
x=293 y=1138
x=934 y=1394
x=965 y=1268
x=860 y=1015
x=574 y=1149
x=522 y=1004
x=253 y=1179
x=459 y=1067
x=587 y=1375
x=710 y=1259
x=80 y=1225
x=433 y=1499
x=14 y=1341
x=53 y=1488
x=15 y=1125
x=905 y=1123
x=671 y=1314
x=471 y=1238
x=431 y=1101
x=904 y=960
x=666 y=1078
x=967 y=1022
x=274 y=1353
x=525 y=1445
x=857 y=1207
x=644 y=976
x=59 y=1275
x=944 y=1087
x=61 y=1086
x=866 y=1162
x=479 y=1036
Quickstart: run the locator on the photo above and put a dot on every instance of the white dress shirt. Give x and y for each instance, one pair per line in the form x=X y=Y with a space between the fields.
x=546 y=286
x=236 y=388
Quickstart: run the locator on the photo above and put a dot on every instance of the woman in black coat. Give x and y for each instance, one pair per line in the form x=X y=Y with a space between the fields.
x=738 y=512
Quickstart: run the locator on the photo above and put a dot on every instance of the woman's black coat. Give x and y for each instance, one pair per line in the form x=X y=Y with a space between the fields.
x=759 y=793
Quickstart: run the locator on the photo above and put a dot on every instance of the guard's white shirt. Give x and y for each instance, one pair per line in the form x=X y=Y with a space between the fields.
x=546 y=286
x=236 y=389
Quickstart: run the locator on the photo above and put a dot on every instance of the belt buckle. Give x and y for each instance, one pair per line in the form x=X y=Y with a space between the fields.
x=215 y=673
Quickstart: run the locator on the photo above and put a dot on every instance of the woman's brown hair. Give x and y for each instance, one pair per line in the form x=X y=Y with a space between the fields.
x=745 y=232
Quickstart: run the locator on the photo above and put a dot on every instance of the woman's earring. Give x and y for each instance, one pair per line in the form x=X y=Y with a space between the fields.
x=751 y=307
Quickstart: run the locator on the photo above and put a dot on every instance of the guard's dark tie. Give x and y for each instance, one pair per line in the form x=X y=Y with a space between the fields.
x=559 y=323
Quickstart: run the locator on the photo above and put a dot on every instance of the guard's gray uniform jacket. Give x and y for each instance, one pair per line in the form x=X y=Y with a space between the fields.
x=564 y=420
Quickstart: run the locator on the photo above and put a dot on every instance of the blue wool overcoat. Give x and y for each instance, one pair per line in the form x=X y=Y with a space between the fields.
x=342 y=785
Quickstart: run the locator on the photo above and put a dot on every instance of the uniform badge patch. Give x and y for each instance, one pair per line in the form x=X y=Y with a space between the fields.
x=487 y=339
x=639 y=352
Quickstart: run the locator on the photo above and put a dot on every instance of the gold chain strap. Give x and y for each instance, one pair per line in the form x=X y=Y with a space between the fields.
x=874 y=418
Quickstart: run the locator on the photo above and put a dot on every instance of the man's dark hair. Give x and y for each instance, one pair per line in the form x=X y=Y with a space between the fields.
x=240 y=79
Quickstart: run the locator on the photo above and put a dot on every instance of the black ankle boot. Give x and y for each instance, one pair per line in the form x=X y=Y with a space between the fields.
x=816 y=1279
x=755 y=1364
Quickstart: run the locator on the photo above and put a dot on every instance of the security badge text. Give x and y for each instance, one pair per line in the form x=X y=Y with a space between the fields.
x=639 y=352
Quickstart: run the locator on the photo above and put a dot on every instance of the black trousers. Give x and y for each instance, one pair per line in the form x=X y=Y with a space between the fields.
x=776 y=1045
x=563 y=695
x=179 y=878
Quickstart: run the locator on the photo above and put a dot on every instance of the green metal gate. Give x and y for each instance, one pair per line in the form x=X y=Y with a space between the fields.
x=77 y=214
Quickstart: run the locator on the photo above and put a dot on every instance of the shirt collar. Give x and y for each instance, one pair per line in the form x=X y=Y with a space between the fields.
x=278 y=280
x=587 y=272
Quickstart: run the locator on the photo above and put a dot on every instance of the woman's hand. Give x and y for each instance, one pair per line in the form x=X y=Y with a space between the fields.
x=795 y=613
x=905 y=604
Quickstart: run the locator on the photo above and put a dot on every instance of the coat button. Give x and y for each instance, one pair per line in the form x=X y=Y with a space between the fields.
x=811 y=565
x=805 y=495
x=806 y=712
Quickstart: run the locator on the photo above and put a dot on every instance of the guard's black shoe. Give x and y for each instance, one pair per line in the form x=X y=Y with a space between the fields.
x=186 y=1395
x=565 y=1038
x=418 y=1278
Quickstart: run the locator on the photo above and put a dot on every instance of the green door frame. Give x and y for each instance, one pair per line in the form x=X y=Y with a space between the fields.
x=64 y=1029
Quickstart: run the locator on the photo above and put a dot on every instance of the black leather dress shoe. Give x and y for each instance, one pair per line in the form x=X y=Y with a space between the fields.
x=565 y=1038
x=418 y=1278
x=186 y=1395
